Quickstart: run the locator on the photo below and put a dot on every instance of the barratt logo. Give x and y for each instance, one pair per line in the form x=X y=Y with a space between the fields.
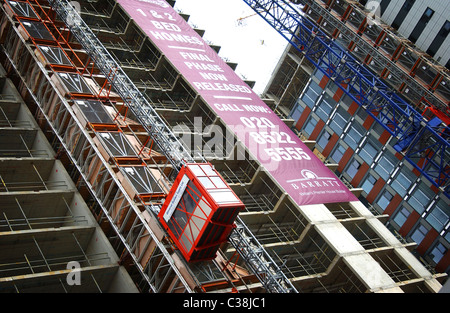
x=312 y=180
x=161 y=3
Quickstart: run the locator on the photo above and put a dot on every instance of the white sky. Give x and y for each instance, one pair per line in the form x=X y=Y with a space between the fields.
x=255 y=46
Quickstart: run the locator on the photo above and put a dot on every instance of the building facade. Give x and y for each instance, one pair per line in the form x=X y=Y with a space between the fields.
x=347 y=135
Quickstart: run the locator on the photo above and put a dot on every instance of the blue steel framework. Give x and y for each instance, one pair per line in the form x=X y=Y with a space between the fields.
x=424 y=145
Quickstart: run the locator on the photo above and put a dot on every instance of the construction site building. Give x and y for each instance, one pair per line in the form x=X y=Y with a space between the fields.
x=103 y=176
x=405 y=44
x=49 y=238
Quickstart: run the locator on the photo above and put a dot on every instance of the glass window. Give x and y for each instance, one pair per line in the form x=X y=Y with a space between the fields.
x=438 y=252
x=438 y=218
x=311 y=94
x=193 y=191
x=325 y=107
x=324 y=138
x=339 y=120
x=368 y=183
x=353 y=168
x=204 y=207
x=22 y=9
x=37 y=30
x=378 y=128
x=333 y=87
x=432 y=167
x=317 y=89
x=383 y=5
x=338 y=153
x=420 y=26
x=178 y=220
x=420 y=198
x=439 y=39
x=384 y=199
x=354 y=135
x=369 y=151
x=362 y=113
x=419 y=234
x=187 y=240
x=403 y=13
x=296 y=112
x=319 y=74
x=403 y=181
x=347 y=100
x=310 y=125
x=187 y=202
x=363 y=2
x=401 y=216
x=386 y=165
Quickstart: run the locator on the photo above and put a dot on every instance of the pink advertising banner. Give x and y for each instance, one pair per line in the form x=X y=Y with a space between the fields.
x=296 y=169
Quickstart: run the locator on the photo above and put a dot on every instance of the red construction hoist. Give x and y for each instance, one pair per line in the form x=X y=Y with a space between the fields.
x=200 y=211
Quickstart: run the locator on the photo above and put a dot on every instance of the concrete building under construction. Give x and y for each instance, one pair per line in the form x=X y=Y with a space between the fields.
x=396 y=179
x=111 y=164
